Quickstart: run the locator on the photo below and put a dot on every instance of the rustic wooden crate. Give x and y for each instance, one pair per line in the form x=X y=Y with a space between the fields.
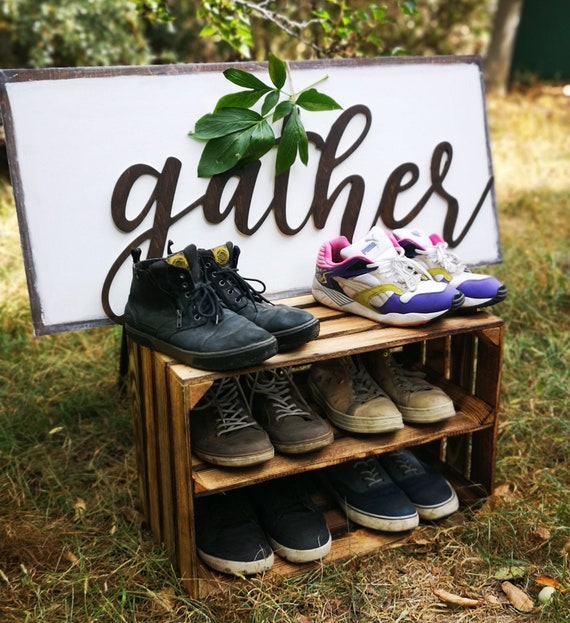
x=462 y=354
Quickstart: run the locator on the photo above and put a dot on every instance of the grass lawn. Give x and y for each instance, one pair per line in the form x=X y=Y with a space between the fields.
x=72 y=544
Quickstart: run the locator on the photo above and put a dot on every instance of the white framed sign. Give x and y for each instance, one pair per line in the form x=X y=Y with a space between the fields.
x=101 y=162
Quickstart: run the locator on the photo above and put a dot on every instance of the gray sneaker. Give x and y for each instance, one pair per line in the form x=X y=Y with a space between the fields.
x=224 y=431
x=279 y=407
x=351 y=398
x=420 y=402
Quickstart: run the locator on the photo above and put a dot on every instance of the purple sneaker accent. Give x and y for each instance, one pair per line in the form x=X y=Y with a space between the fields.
x=373 y=278
x=444 y=266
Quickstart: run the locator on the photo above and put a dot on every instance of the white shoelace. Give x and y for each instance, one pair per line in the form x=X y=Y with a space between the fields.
x=441 y=256
x=401 y=269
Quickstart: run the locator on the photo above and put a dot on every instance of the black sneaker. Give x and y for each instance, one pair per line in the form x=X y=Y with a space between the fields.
x=172 y=309
x=428 y=490
x=228 y=535
x=296 y=530
x=278 y=406
x=290 y=325
x=223 y=429
x=369 y=497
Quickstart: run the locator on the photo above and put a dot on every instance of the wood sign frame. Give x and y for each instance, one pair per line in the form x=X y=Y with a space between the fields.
x=101 y=162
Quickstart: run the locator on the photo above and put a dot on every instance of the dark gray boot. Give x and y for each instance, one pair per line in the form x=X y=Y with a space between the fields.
x=173 y=310
x=290 y=325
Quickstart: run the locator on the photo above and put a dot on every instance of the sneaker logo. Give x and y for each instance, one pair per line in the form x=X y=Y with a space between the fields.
x=178 y=259
x=221 y=255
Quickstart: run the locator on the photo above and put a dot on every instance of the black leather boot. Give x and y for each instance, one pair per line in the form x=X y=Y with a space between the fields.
x=290 y=325
x=172 y=309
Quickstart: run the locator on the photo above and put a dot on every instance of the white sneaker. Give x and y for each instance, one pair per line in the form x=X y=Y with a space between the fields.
x=444 y=266
x=373 y=278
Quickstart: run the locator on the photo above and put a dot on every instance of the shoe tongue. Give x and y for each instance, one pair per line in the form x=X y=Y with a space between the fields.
x=187 y=260
x=223 y=254
x=178 y=260
x=377 y=244
x=416 y=236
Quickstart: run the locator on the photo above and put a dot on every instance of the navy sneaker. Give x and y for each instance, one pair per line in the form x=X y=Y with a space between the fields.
x=369 y=497
x=229 y=538
x=427 y=489
x=296 y=530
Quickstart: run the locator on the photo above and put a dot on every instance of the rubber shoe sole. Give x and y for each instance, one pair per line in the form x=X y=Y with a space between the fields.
x=354 y=423
x=297 y=336
x=332 y=298
x=217 y=361
x=300 y=555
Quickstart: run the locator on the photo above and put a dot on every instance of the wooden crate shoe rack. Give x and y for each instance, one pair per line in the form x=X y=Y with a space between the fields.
x=462 y=354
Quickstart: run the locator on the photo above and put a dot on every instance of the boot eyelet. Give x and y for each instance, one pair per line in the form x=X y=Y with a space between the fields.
x=187 y=294
x=197 y=317
x=222 y=282
x=184 y=285
x=230 y=291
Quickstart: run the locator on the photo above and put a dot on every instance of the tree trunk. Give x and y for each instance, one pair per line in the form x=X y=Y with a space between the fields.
x=499 y=54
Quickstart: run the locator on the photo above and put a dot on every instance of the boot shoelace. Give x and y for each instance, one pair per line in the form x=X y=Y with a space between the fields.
x=278 y=388
x=409 y=380
x=368 y=469
x=231 y=413
x=229 y=276
x=204 y=299
x=363 y=385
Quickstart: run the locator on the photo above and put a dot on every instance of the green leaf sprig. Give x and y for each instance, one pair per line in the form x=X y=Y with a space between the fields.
x=235 y=135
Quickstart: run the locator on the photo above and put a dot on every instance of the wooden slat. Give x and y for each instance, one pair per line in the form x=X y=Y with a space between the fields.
x=208 y=478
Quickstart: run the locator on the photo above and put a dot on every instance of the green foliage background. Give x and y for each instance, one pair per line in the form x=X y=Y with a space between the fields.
x=61 y=33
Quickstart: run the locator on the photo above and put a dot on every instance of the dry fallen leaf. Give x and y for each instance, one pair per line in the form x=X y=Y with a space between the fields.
x=79 y=508
x=508 y=573
x=164 y=601
x=70 y=557
x=456 y=600
x=546 y=580
x=132 y=516
x=517 y=597
x=565 y=548
x=541 y=532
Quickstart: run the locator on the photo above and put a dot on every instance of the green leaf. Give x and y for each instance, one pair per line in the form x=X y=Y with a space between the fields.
x=242 y=99
x=245 y=79
x=262 y=140
x=283 y=109
x=277 y=71
x=269 y=102
x=408 y=7
x=224 y=121
x=312 y=100
x=223 y=153
x=293 y=140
